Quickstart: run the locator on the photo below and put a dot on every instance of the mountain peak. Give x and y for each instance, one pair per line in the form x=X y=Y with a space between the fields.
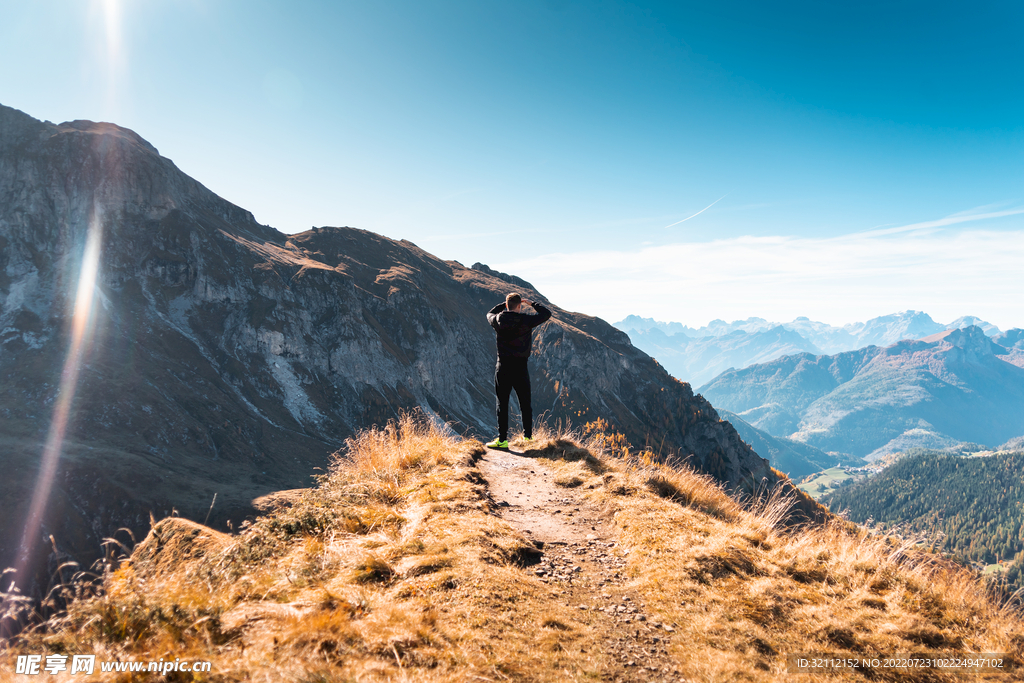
x=511 y=279
x=972 y=340
x=99 y=166
x=112 y=130
x=968 y=320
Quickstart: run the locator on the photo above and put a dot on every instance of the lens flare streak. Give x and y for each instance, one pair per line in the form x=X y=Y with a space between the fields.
x=81 y=325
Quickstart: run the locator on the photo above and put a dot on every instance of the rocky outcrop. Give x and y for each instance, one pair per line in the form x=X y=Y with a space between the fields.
x=227 y=358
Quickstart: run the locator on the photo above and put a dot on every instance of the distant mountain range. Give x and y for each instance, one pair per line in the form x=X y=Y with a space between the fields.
x=957 y=385
x=700 y=359
x=698 y=355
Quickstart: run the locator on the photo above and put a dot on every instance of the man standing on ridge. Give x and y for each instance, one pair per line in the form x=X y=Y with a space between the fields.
x=515 y=339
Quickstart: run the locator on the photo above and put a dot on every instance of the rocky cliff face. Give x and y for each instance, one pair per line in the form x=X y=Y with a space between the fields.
x=227 y=358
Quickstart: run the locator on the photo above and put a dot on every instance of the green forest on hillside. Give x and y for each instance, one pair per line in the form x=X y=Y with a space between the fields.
x=971 y=507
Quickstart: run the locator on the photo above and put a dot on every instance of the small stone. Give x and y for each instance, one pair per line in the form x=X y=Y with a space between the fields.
x=668 y=628
x=591 y=537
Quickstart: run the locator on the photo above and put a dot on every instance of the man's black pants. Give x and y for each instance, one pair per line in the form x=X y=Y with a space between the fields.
x=512 y=373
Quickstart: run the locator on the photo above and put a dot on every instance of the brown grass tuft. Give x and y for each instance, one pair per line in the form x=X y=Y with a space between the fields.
x=372 y=568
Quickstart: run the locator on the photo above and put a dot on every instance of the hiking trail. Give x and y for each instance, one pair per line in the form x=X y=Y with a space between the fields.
x=581 y=561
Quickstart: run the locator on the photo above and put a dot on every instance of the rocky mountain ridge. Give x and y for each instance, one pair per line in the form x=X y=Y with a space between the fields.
x=226 y=358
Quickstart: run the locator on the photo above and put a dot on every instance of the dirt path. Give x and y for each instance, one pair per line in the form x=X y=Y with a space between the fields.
x=582 y=561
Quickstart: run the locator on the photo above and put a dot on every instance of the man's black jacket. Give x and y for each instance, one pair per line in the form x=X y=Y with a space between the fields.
x=514 y=338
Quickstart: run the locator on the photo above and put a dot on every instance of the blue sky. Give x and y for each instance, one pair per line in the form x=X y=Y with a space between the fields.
x=861 y=158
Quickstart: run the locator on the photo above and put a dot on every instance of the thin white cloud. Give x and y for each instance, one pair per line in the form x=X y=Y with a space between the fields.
x=944 y=272
x=698 y=213
x=965 y=217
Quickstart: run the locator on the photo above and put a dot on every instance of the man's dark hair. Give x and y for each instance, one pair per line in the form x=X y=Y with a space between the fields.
x=513 y=300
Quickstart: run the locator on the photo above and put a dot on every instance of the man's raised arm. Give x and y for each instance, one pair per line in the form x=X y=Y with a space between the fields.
x=493 y=313
x=542 y=315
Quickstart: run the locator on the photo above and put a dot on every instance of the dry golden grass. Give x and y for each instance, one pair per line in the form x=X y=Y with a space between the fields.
x=396 y=568
x=743 y=591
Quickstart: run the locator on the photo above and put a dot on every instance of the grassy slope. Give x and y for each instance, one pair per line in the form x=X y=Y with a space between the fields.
x=395 y=568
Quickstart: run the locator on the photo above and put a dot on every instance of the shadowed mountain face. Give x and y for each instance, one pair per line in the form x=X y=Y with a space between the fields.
x=957 y=384
x=224 y=357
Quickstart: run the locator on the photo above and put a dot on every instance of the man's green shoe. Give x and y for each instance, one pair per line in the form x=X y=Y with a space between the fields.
x=498 y=443
x=528 y=439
